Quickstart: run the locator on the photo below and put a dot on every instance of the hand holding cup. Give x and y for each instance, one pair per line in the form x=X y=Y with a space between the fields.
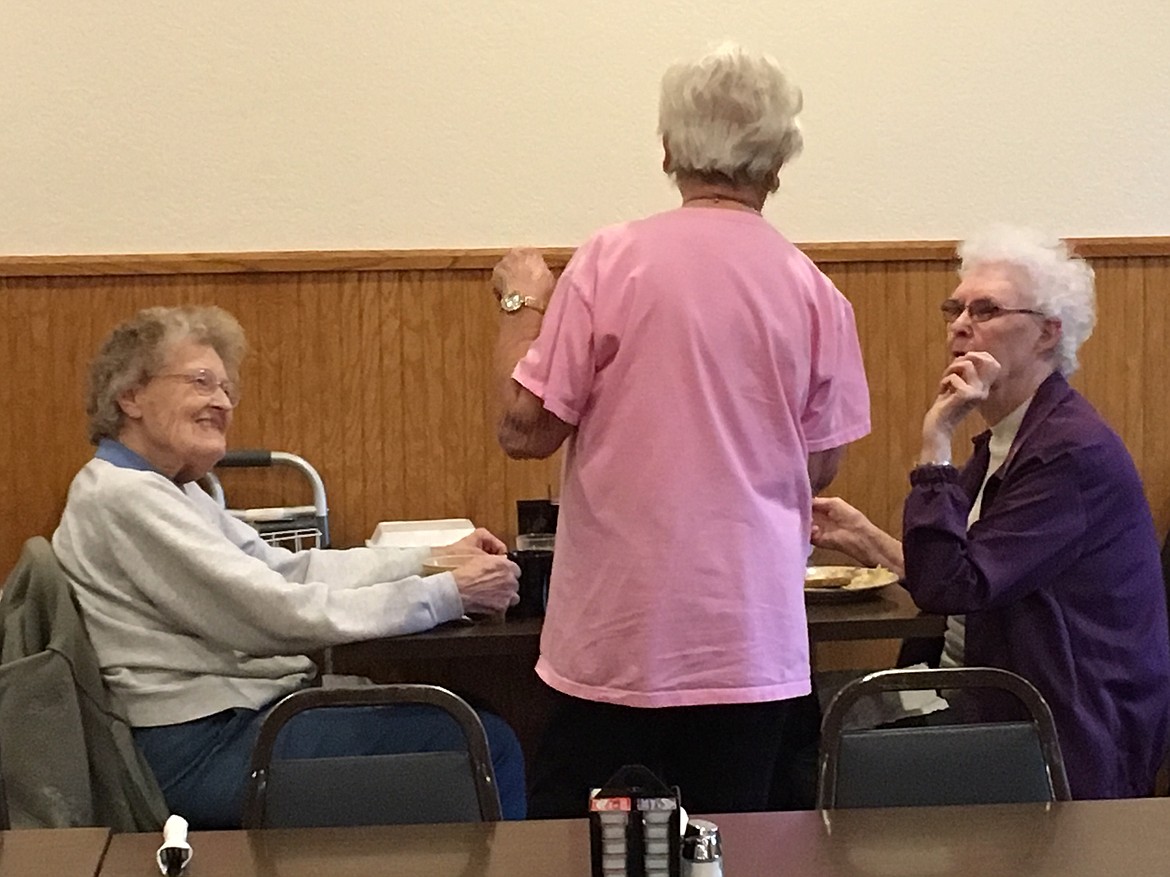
x=488 y=584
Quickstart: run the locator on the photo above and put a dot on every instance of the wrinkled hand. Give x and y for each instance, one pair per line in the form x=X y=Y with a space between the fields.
x=523 y=270
x=838 y=525
x=488 y=584
x=965 y=383
x=473 y=543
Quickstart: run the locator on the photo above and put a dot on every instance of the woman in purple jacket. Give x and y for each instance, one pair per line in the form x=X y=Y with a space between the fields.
x=1040 y=549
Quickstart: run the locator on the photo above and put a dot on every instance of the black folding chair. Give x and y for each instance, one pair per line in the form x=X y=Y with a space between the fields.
x=931 y=765
x=415 y=787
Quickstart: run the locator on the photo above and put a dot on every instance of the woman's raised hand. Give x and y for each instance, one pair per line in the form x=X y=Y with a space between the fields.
x=965 y=383
x=523 y=270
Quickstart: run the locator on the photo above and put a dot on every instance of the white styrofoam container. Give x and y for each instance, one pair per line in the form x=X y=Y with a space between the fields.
x=420 y=534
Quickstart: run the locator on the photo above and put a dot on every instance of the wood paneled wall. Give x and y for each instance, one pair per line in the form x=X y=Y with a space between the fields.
x=376 y=367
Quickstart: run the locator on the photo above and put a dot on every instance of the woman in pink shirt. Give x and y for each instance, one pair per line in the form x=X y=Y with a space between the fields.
x=704 y=376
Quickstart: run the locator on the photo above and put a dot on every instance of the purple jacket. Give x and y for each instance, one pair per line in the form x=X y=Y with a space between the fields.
x=1061 y=582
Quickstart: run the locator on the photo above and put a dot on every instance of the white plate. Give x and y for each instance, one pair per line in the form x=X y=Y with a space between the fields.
x=860 y=582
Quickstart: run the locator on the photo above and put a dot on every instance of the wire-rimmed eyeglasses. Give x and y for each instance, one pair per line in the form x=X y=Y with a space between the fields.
x=980 y=310
x=206 y=383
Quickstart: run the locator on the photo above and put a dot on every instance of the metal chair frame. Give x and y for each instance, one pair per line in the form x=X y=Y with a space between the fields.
x=950 y=678
x=479 y=758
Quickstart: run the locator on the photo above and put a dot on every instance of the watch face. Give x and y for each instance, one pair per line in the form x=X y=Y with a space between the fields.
x=512 y=302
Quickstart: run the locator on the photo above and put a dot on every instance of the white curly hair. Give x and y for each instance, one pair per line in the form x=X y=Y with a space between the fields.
x=732 y=115
x=1060 y=284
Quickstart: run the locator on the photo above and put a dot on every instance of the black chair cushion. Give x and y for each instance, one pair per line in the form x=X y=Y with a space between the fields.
x=953 y=764
x=416 y=787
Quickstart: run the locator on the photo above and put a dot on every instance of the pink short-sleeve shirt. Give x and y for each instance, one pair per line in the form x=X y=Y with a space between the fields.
x=701 y=357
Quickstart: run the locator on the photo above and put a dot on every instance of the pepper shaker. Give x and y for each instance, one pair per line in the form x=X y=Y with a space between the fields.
x=702 y=850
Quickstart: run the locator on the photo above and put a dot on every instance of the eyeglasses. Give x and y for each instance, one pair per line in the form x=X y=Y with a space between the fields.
x=980 y=310
x=206 y=383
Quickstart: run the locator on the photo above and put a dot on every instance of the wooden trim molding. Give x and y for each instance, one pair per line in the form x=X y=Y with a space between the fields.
x=299 y=261
x=293 y=261
x=944 y=251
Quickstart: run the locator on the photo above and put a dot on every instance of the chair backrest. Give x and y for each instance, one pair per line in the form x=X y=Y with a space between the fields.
x=993 y=762
x=415 y=787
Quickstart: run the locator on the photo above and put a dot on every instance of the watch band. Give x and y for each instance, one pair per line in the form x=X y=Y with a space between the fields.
x=934 y=473
x=511 y=302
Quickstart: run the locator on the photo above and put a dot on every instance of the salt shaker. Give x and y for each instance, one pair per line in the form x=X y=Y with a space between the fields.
x=702 y=850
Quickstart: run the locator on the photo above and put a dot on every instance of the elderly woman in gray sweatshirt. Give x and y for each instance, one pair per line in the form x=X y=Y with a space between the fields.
x=199 y=625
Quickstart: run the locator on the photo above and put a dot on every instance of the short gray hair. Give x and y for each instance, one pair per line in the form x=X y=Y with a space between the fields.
x=136 y=349
x=730 y=114
x=1060 y=284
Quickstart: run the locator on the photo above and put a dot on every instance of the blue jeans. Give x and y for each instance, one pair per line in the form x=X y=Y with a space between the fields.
x=203 y=765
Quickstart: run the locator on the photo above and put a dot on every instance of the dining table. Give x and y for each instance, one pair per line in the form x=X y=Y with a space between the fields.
x=52 y=852
x=886 y=614
x=492 y=664
x=1063 y=839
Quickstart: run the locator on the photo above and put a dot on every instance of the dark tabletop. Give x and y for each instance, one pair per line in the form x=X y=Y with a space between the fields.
x=52 y=852
x=886 y=614
x=1067 y=839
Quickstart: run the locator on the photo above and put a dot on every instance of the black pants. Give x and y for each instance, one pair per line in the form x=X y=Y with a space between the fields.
x=723 y=758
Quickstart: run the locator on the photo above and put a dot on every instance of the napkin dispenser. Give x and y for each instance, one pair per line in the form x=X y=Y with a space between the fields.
x=634 y=826
x=536 y=516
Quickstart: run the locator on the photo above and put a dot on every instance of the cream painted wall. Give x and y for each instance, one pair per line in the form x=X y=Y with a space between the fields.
x=237 y=125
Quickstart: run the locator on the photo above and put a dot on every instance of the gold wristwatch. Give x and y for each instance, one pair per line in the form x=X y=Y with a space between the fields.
x=510 y=302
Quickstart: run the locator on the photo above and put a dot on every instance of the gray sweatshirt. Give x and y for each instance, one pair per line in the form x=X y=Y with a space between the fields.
x=190 y=612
